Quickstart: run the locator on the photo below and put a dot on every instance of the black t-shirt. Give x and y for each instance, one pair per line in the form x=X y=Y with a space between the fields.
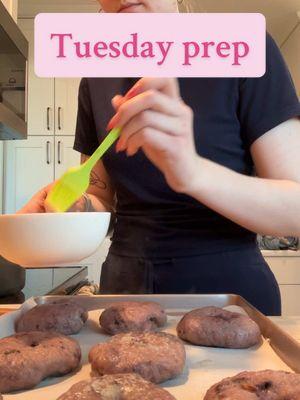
x=229 y=115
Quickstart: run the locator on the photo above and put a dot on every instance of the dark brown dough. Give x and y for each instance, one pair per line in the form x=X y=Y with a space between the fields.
x=116 y=387
x=28 y=358
x=156 y=356
x=262 y=385
x=216 y=327
x=65 y=317
x=132 y=316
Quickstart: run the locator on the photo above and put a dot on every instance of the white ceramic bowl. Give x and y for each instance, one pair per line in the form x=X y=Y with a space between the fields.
x=39 y=240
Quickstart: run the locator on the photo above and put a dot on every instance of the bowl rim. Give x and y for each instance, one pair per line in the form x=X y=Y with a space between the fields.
x=57 y=215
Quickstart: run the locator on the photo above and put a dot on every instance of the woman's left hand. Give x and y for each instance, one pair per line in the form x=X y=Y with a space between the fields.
x=155 y=119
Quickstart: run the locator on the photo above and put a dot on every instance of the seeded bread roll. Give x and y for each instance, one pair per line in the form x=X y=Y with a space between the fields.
x=216 y=327
x=28 y=358
x=64 y=317
x=132 y=316
x=156 y=356
x=261 y=385
x=116 y=387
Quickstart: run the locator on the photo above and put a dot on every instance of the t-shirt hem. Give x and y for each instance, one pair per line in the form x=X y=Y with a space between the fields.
x=175 y=252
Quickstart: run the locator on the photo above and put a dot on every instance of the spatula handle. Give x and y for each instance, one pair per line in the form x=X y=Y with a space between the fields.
x=110 y=139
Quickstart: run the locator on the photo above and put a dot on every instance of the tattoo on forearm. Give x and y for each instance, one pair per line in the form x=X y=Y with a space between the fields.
x=96 y=181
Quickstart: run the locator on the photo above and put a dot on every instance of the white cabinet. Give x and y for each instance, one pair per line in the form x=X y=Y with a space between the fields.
x=286 y=268
x=40 y=91
x=290 y=300
x=66 y=105
x=32 y=164
x=52 y=103
x=65 y=156
x=29 y=166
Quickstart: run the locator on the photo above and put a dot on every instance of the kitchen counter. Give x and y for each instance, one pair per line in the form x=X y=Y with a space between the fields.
x=290 y=325
x=280 y=253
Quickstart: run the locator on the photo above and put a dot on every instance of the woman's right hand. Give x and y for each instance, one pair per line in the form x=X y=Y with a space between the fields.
x=38 y=204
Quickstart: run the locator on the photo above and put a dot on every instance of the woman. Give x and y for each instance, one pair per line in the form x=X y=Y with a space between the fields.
x=188 y=206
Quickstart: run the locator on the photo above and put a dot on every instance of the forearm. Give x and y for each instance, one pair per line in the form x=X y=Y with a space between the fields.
x=101 y=193
x=265 y=206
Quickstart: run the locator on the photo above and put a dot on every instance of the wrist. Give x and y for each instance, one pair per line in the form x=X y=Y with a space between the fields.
x=195 y=180
x=88 y=206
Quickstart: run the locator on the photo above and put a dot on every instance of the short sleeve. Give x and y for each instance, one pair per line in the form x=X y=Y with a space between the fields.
x=86 y=141
x=266 y=102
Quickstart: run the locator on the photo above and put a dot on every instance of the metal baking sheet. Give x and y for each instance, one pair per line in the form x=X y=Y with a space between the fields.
x=204 y=366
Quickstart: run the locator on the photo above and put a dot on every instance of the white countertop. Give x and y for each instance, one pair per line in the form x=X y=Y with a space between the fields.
x=290 y=325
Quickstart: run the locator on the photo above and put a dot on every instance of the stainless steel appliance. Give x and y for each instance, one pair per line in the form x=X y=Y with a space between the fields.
x=12 y=278
x=13 y=78
x=64 y=281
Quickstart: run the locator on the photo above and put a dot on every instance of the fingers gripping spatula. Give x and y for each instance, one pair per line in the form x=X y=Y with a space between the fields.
x=71 y=186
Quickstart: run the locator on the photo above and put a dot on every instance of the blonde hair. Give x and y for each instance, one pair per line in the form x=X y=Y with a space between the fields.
x=188 y=6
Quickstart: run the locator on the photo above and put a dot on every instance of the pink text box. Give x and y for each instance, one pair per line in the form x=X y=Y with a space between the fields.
x=157 y=45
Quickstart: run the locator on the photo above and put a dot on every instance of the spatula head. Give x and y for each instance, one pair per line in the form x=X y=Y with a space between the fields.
x=68 y=189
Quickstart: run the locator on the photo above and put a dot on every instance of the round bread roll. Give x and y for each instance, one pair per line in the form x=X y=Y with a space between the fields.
x=262 y=385
x=116 y=387
x=156 y=356
x=28 y=358
x=132 y=316
x=216 y=327
x=65 y=317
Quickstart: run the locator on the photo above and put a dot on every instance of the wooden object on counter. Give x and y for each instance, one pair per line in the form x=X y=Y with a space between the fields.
x=9 y=308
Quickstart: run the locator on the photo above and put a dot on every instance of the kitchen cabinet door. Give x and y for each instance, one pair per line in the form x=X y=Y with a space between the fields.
x=66 y=105
x=65 y=156
x=290 y=304
x=28 y=166
x=40 y=91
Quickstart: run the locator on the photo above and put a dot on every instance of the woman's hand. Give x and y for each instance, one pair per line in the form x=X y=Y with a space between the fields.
x=155 y=119
x=38 y=204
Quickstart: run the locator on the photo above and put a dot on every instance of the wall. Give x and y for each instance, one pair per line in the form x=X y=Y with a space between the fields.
x=283 y=23
x=1 y=177
x=29 y=8
x=12 y=7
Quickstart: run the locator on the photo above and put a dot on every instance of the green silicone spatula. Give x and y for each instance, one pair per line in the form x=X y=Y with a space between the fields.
x=71 y=186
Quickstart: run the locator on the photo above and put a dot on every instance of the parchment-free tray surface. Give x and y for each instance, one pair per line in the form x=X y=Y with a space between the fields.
x=204 y=366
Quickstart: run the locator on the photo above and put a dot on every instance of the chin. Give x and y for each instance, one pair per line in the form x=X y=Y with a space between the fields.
x=139 y=8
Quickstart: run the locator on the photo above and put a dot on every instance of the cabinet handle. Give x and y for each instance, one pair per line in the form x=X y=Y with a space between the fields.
x=48 y=152
x=59 y=152
x=48 y=118
x=59 y=118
